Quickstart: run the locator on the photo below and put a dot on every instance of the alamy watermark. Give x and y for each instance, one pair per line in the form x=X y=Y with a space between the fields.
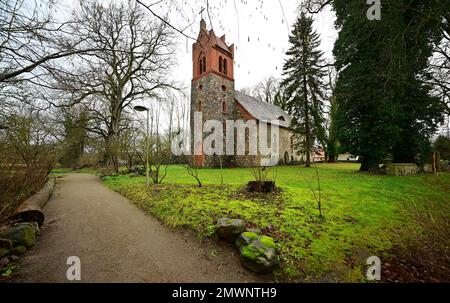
x=374 y=11
x=374 y=270
x=73 y=273
x=240 y=138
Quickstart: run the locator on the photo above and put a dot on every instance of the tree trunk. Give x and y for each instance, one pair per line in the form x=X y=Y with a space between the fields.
x=308 y=135
x=112 y=160
x=109 y=156
x=130 y=162
x=370 y=165
x=307 y=126
x=331 y=158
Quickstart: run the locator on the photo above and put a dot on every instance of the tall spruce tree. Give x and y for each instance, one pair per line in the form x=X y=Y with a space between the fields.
x=303 y=85
x=385 y=108
x=332 y=138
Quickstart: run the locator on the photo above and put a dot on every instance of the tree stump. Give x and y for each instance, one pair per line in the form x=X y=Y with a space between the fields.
x=261 y=187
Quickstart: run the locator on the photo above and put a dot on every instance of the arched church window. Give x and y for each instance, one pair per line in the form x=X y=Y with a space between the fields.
x=220 y=64
x=225 y=66
x=200 y=65
x=199 y=106
x=224 y=106
x=204 y=64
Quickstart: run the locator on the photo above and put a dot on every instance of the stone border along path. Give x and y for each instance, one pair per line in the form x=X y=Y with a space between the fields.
x=116 y=242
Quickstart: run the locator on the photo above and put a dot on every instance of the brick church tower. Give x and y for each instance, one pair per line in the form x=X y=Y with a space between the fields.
x=212 y=88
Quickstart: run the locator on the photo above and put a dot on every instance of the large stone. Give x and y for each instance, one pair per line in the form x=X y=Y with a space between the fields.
x=4 y=261
x=230 y=229
x=254 y=230
x=33 y=225
x=18 y=250
x=260 y=255
x=21 y=234
x=5 y=243
x=13 y=258
x=246 y=238
x=4 y=252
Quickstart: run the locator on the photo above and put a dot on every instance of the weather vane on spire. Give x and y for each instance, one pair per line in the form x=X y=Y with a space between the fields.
x=201 y=12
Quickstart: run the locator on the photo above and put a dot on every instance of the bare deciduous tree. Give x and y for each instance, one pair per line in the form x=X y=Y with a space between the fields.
x=29 y=139
x=193 y=172
x=440 y=64
x=30 y=37
x=265 y=90
x=130 y=62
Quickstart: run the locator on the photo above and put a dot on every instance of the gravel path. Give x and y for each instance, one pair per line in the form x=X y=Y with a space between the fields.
x=116 y=242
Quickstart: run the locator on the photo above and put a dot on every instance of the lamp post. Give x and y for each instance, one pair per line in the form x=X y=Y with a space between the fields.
x=145 y=109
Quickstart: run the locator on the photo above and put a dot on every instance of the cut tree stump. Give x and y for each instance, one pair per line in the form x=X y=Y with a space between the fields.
x=261 y=187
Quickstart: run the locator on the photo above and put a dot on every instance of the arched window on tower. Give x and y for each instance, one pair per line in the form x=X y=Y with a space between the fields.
x=225 y=66
x=224 y=107
x=202 y=64
x=220 y=64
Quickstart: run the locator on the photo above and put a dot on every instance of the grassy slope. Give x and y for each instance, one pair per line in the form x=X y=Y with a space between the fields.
x=364 y=214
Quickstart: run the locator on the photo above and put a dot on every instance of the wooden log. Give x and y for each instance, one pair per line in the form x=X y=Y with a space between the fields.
x=31 y=210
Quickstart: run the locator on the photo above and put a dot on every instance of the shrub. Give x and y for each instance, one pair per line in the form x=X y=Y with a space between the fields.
x=442 y=145
x=17 y=183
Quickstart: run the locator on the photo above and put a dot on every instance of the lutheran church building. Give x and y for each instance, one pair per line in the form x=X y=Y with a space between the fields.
x=213 y=94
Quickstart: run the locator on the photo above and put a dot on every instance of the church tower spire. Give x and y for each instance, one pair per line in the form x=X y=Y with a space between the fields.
x=202 y=25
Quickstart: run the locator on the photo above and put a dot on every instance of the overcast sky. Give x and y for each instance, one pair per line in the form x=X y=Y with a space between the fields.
x=258 y=28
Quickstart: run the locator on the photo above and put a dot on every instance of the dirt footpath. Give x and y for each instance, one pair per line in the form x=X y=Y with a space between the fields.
x=116 y=242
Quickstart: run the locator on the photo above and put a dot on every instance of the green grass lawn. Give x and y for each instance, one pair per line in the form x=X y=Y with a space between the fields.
x=364 y=214
x=67 y=170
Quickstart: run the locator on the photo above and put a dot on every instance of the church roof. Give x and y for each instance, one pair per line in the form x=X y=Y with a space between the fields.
x=222 y=44
x=263 y=111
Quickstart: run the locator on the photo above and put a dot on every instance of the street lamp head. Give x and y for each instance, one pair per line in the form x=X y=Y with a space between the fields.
x=141 y=108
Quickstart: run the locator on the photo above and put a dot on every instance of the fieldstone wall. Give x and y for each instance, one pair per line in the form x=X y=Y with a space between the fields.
x=402 y=169
x=208 y=95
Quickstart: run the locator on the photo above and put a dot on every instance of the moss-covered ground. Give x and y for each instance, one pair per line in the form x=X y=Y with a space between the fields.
x=363 y=214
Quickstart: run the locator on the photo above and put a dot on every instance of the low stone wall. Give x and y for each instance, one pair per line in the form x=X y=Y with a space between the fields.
x=402 y=169
x=445 y=166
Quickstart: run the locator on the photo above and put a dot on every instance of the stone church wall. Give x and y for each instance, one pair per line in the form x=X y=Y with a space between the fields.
x=208 y=95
